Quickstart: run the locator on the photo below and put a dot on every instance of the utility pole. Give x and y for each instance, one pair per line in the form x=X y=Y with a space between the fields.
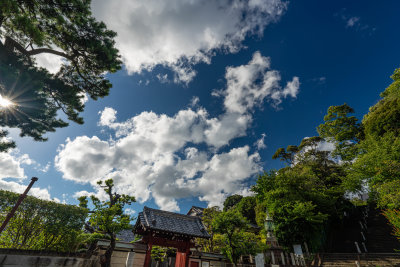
x=21 y=198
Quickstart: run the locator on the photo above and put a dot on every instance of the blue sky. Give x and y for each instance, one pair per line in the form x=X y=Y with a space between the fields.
x=201 y=85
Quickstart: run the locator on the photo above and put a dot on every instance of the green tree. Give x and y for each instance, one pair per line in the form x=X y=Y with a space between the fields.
x=40 y=224
x=231 y=201
x=160 y=254
x=66 y=29
x=305 y=197
x=235 y=240
x=393 y=217
x=211 y=244
x=107 y=217
x=247 y=207
x=379 y=163
x=343 y=130
x=287 y=155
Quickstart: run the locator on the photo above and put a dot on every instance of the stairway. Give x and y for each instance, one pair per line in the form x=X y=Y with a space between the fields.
x=364 y=260
x=379 y=237
x=344 y=235
x=363 y=225
x=339 y=259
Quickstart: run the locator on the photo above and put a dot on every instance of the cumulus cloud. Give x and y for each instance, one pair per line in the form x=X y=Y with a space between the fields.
x=164 y=176
x=249 y=85
x=42 y=193
x=158 y=156
x=181 y=33
x=11 y=167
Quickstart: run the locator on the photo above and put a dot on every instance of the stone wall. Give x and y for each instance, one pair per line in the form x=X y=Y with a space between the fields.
x=126 y=255
x=27 y=258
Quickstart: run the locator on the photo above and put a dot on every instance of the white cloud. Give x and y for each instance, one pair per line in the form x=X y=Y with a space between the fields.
x=181 y=33
x=326 y=146
x=353 y=21
x=42 y=193
x=130 y=211
x=319 y=80
x=157 y=156
x=195 y=100
x=163 y=78
x=49 y=61
x=249 y=85
x=11 y=167
x=292 y=88
x=108 y=117
x=260 y=143
x=44 y=168
x=82 y=193
x=84 y=97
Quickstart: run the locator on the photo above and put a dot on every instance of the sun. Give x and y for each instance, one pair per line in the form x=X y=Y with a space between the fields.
x=5 y=103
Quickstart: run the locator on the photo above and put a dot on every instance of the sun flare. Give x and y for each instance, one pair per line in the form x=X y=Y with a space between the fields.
x=4 y=102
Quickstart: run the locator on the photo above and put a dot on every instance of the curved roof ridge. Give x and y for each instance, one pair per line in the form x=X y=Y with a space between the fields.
x=170 y=212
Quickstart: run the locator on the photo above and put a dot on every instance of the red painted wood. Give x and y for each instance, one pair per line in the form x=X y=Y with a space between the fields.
x=180 y=259
x=182 y=245
x=147 y=259
x=194 y=264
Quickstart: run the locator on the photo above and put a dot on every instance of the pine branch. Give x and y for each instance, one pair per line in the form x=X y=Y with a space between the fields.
x=11 y=44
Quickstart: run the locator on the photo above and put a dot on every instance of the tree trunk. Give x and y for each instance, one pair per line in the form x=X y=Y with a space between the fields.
x=106 y=259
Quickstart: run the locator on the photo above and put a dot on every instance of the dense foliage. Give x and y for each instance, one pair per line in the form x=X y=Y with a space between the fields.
x=212 y=244
x=64 y=29
x=393 y=217
x=160 y=254
x=40 y=224
x=304 y=197
x=231 y=233
x=232 y=201
x=309 y=194
x=234 y=237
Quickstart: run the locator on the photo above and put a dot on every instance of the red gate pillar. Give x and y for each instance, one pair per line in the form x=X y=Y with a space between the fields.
x=182 y=257
x=147 y=259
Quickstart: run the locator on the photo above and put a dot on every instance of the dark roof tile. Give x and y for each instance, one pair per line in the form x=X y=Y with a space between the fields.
x=171 y=222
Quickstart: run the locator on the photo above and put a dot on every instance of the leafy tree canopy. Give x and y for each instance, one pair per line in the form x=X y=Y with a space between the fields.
x=384 y=117
x=40 y=224
x=61 y=28
x=379 y=161
x=247 y=207
x=231 y=201
x=160 y=254
x=107 y=217
x=343 y=130
x=211 y=244
x=235 y=240
x=306 y=196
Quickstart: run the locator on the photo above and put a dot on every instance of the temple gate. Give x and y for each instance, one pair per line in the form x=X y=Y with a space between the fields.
x=169 y=229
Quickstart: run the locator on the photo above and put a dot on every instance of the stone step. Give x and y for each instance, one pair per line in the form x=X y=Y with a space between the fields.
x=366 y=259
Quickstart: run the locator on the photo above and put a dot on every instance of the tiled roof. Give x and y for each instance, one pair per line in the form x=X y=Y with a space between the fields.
x=196 y=211
x=170 y=222
x=126 y=235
